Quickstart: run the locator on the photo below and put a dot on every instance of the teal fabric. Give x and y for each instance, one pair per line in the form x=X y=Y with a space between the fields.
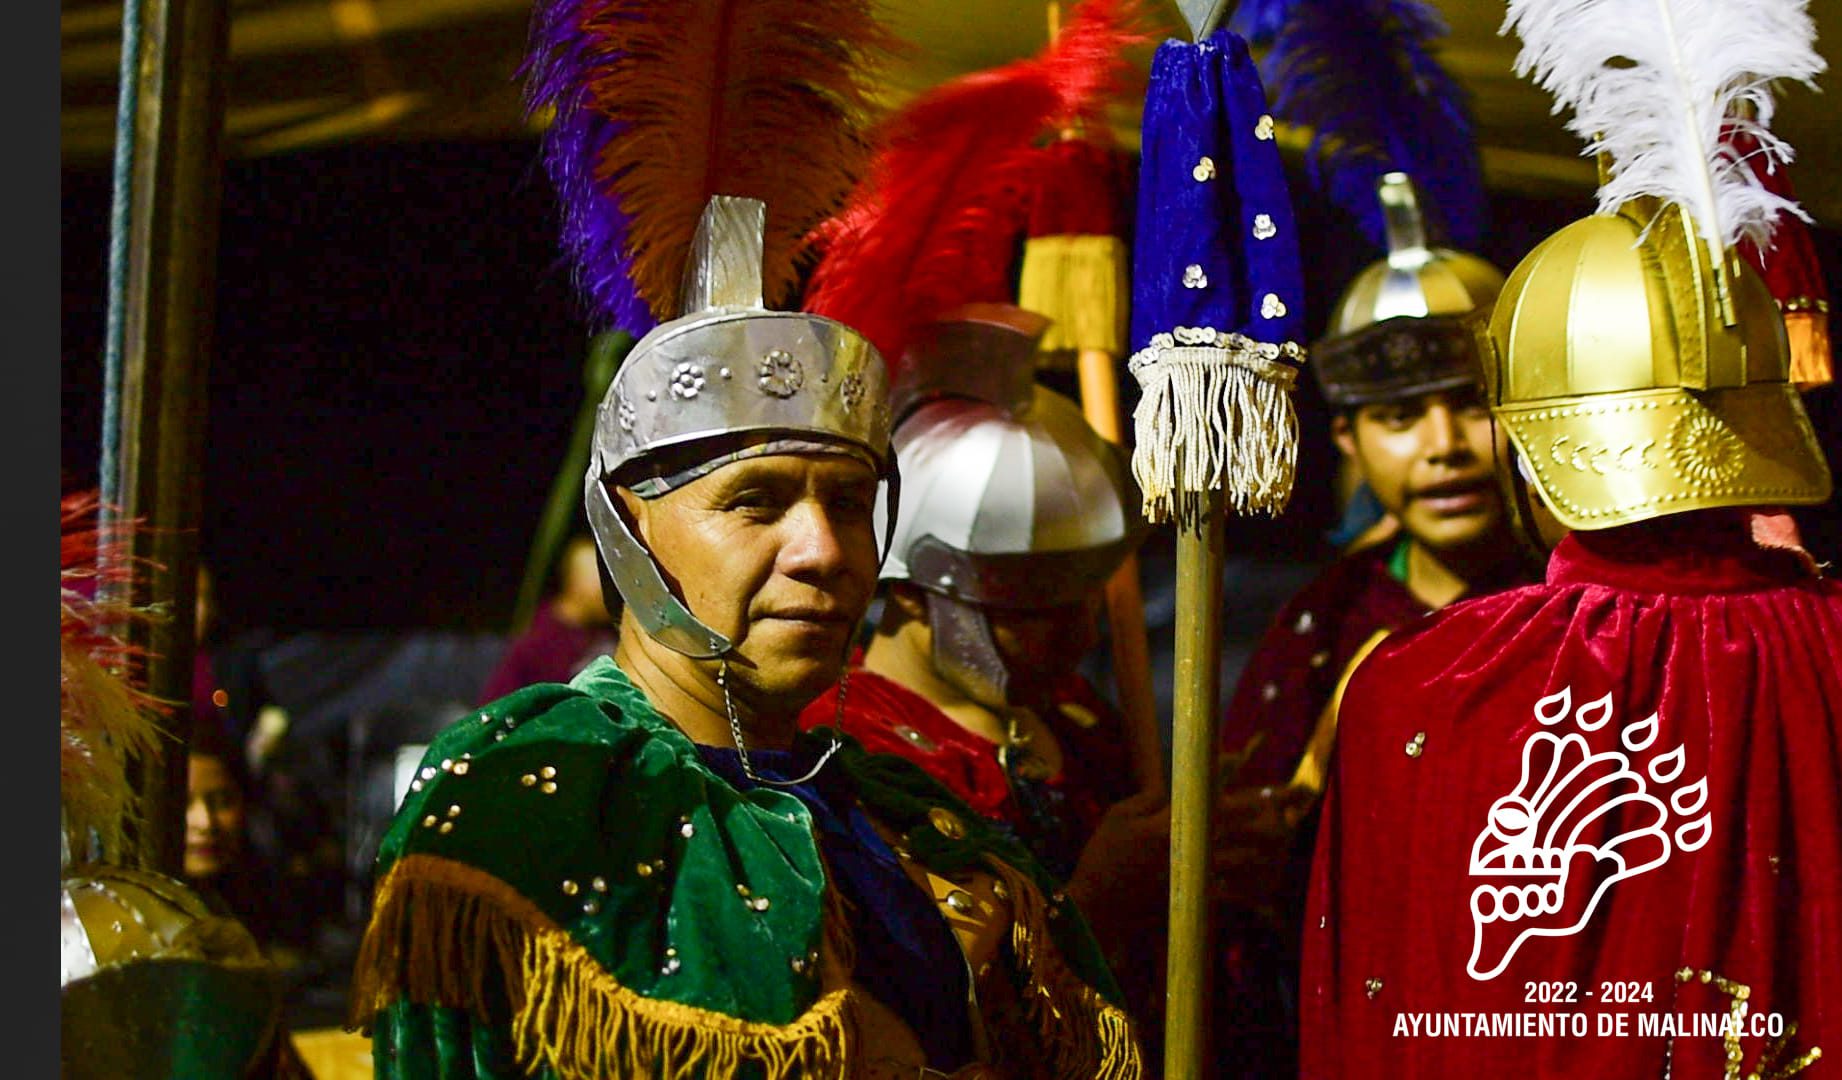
x=601 y=745
x=1397 y=561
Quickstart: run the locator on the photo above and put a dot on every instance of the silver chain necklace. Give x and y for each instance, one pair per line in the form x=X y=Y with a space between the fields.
x=735 y=731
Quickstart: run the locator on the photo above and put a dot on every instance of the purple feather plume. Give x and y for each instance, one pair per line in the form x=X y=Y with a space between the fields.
x=594 y=228
x=1259 y=21
x=1361 y=76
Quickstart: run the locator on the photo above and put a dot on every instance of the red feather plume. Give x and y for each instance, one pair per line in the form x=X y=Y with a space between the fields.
x=1791 y=269
x=936 y=223
x=1082 y=187
x=105 y=715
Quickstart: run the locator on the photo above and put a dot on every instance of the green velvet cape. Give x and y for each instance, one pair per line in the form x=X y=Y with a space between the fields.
x=569 y=891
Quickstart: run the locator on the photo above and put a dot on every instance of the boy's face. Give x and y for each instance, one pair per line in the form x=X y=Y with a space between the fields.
x=1431 y=462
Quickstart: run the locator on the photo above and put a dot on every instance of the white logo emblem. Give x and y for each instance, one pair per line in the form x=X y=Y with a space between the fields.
x=1577 y=824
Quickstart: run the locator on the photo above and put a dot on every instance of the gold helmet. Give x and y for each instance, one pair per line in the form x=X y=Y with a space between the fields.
x=1639 y=372
x=1397 y=330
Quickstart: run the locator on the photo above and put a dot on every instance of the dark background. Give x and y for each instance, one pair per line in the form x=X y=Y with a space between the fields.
x=398 y=364
x=397 y=367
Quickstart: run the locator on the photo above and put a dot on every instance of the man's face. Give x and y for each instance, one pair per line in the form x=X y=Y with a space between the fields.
x=1040 y=645
x=777 y=553
x=213 y=818
x=1430 y=461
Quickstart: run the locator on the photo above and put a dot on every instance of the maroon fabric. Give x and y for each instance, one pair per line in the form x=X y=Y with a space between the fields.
x=1732 y=649
x=1296 y=666
x=1283 y=688
x=550 y=650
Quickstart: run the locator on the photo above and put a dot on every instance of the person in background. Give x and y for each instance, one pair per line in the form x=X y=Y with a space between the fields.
x=154 y=981
x=993 y=589
x=571 y=628
x=287 y=825
x=222 y=864
x=1410 y=420
x=228 y=692
x=1618 y=788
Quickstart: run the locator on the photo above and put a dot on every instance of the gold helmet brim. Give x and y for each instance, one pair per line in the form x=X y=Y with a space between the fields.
x=1601 y=460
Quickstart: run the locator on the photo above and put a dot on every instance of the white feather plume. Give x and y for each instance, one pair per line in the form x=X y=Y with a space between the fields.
x=1653 y=84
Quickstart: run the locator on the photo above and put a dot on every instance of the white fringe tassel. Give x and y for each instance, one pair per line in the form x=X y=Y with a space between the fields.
x=1216 y=413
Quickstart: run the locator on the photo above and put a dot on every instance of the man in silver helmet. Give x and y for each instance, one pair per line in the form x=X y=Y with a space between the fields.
x=1399 y=371
x=649 y=871
x=1014 y=514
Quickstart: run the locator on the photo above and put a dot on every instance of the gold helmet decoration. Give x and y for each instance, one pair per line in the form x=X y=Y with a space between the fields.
x=1636 y=361
x=1398 y=328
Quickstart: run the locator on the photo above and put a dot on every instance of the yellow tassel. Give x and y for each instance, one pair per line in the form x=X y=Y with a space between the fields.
x=1080 y=282
x=439 y=928
x=1808 y=330
x=1078 y=1031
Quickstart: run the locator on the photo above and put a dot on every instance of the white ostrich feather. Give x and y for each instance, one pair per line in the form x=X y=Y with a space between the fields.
x=1653 y=83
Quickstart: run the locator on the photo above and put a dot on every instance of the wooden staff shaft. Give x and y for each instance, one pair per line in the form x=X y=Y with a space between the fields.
x=1197 y=685
x=1125 y=605
x=168 y=288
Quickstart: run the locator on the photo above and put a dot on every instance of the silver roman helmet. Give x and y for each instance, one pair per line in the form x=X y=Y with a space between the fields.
x=1010 y=496
x=728 y=379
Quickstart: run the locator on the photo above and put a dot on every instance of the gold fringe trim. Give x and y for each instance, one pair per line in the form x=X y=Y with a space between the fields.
x=439 y=929
x=1215 y=413
x=1078 y=1031
x=1080 y=282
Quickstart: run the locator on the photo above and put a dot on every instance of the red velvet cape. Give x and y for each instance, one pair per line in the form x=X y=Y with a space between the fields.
x=1733 y=649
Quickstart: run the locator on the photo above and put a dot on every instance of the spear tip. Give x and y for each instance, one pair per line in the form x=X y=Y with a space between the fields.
x=1205 y=16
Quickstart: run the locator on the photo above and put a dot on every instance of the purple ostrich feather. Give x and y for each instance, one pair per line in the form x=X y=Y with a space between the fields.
x=594 y=227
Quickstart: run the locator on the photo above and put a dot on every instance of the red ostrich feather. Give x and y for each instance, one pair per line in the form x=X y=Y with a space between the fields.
x=937 y=221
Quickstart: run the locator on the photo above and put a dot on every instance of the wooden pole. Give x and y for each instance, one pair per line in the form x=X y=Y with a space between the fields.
x=1195 y=705
x=563 y=508
x=1125 y=602
x=167 y=286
